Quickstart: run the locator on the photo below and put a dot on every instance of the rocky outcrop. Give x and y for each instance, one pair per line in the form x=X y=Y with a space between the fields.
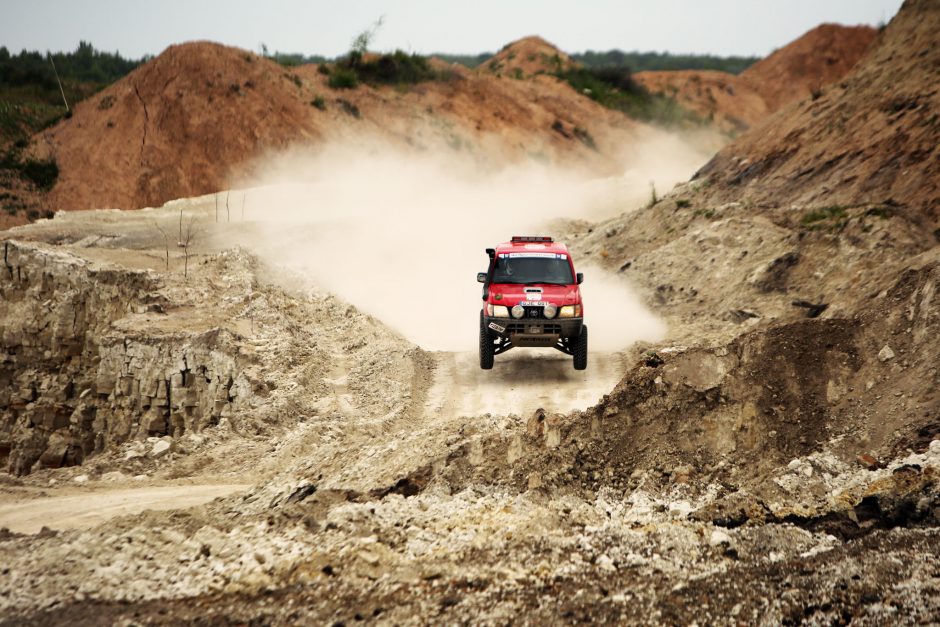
x=88 y=361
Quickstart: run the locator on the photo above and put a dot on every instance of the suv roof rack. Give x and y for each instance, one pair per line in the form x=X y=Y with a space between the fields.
x=532 y=238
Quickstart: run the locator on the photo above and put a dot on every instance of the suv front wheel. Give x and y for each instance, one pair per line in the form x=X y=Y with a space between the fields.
x=580 y=349
x=487 y=348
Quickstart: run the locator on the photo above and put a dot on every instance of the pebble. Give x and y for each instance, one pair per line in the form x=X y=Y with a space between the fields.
x=719 y=537
x=885 y=354
x=605 y=563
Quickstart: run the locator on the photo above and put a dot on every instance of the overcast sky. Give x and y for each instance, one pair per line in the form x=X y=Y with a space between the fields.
x=138 y=27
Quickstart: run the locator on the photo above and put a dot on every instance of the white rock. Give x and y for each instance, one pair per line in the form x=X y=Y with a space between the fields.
x=114 y=475
x=140 y=477
x=885 y=354
x=807 y=471
x=81 y=479
x=935 y=446
x=794 y=464
x=605 y=563
x=134 y=451
x=719 y=537
x=160 y=448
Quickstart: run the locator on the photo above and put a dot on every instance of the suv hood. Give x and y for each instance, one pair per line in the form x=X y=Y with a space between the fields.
x=513 y=294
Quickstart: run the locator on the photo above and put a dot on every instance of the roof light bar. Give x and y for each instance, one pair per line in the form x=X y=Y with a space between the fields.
x=532 y=238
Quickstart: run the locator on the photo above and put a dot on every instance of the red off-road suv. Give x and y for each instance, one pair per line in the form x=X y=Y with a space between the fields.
x=531 y=298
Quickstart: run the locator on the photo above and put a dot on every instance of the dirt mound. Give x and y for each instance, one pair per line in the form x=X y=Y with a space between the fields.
x=804 y=66
x=724 y=99
x=196 y=117
x=871 y=138
x=174 y=127
x=737 y=415
x=794 y=72
x=527 y=57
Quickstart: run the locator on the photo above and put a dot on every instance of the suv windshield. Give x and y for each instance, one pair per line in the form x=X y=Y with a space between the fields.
x=532 y=268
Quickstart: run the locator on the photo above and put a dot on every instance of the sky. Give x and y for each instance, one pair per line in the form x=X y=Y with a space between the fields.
x=138 y=27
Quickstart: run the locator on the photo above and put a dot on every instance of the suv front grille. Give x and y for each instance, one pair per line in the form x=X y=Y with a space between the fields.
x=520 y=327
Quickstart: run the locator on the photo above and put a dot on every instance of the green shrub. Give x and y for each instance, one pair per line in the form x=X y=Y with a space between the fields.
x=880 y=212
x=395 y=69
x=585 y=137
x=834 y=217
x=349 y=108
x=319 y=102
x=343 y=78
x=706 y=213
x=614 y=88
x=43 y=174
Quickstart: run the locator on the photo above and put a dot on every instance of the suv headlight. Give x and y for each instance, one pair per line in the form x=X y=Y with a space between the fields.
x=570 y=311
x=518 y=311
x=550 y=310
x=497 y=311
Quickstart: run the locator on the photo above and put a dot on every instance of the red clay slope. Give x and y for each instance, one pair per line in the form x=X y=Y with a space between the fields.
x=805 y=65
x=169 y=128
x=195 y=118
x=794 y=72
x=870 y=138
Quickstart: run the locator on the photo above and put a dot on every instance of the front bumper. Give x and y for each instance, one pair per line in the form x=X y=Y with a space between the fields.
x=533 y=331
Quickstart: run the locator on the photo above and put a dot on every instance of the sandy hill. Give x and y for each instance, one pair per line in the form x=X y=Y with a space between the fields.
x=794 y=72
x=194 y=118
x=729 y=102
x=809 y=246
x=871 y=138
x=805 y=65
x=527 y=57
x=173 y=126
x=197 y=117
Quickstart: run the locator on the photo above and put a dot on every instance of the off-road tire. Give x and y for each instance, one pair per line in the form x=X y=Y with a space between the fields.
x=487 y=349
x=580 y=351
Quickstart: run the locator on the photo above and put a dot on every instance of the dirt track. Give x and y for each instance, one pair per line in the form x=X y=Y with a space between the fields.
x=522 y=381
x=28 y=512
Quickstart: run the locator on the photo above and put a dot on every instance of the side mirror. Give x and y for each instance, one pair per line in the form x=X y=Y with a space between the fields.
x=481 y=277
x=580 y=277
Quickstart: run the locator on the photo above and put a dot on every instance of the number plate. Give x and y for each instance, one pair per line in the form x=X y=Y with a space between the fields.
x=497 y=328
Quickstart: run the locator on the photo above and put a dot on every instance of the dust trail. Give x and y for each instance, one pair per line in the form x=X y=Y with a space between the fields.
x=402 y=235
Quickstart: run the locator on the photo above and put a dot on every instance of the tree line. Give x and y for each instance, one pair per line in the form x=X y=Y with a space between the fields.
x=85 y=65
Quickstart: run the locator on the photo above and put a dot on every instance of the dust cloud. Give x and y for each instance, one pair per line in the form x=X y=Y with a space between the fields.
x=402 y=235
